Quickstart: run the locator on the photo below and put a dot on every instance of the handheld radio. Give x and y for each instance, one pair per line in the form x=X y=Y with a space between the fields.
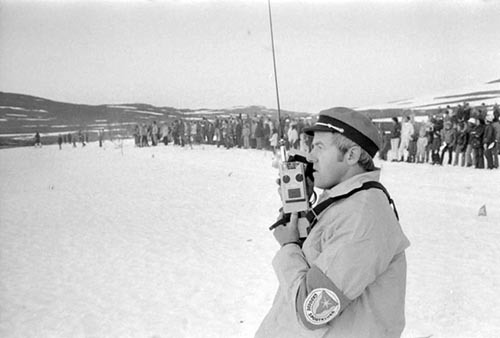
x=294 y=192
x=292 y=169
x=293 y=189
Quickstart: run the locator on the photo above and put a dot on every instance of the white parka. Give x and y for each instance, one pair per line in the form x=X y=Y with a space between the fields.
x=354 y=258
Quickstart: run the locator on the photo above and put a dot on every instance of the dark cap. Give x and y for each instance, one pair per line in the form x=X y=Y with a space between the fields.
x=350 y=123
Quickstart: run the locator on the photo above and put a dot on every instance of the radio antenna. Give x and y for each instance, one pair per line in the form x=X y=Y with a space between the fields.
x=280 y=127
x=280 y=131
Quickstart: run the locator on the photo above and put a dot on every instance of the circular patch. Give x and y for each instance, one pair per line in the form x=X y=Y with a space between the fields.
x=321 y=305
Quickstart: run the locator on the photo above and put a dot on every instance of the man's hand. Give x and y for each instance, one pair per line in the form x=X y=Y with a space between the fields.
x=288 y=233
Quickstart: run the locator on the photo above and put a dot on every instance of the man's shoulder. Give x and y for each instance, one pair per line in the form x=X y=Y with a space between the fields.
x=363 y=204
x=367 y=215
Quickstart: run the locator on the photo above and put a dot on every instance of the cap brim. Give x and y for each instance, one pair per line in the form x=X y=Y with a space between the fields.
x=310 y=130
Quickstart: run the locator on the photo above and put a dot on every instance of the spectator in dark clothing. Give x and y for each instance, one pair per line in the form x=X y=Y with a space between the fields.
x=460 y=113
x=476 y=141
x=267 y=136
x=81 y=138
x=175 y=132
x=489 y=141
x=38 y=142
x=60 y=141
x=259 y=134
x=239 y=132
x=467 y=111
x=496 y=111
x=496 y=126
x=101 y=137
x=437 y=126
x=395 y=137
x=386 y=146
x=460 y=144
x=136 y=136
x=181 y=130
x=469 y=161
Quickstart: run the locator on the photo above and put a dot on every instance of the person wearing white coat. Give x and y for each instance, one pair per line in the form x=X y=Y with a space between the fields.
x=348 y=278
x=293 y=137
x=407 y=131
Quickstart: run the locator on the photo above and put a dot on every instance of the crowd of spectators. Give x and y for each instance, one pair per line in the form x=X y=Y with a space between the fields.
x=260 y=132
x=71 y=138
x=463 y=135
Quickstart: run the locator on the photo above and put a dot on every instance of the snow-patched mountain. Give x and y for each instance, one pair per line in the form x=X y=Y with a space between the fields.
x=22 y=115
x=486 y=93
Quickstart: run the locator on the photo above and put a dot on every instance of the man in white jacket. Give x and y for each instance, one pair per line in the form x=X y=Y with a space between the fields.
x=293 y=136
x=407 y=131
x=348 y=278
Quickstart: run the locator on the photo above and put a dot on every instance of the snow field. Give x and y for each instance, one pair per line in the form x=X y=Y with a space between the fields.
x=173 y=242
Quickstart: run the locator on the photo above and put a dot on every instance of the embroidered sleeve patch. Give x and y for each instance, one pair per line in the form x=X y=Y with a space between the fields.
x=319 y=300
x=321 y=306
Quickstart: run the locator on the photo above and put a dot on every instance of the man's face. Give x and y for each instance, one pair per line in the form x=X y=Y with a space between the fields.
x=328 y=161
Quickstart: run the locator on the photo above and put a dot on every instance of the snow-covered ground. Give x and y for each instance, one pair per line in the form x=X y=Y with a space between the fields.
x=172 y=242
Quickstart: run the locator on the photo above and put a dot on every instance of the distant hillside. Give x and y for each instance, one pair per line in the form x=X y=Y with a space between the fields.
x=487 y=93
x=22 y=115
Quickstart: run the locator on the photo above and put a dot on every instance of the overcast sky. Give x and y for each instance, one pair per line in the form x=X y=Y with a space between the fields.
x=217 y=54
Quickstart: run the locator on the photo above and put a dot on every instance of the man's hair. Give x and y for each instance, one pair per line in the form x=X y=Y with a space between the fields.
x=344 y=144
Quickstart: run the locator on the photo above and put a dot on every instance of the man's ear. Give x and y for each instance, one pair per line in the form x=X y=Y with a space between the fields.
x=352 y=155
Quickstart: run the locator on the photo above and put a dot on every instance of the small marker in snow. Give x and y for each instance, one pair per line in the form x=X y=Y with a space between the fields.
x=482 y=211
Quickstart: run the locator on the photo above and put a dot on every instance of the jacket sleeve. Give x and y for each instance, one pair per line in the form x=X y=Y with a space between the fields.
x=290 y=266
x=311 y=295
